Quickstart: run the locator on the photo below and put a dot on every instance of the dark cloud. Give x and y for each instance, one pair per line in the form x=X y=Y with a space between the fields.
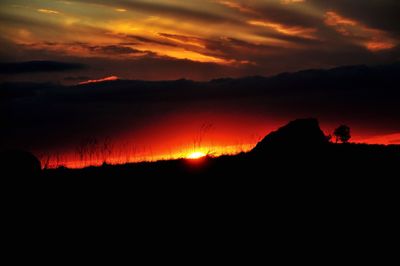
x=288 y=16
x=77 y=78
x=114 y=49
x=148 y=40
x=37 y=66
x=21 y=21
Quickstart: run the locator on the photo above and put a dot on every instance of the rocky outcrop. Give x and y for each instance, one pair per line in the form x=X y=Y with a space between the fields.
x=304 y=133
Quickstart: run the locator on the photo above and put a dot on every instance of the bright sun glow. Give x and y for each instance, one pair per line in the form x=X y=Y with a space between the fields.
x=196 y=155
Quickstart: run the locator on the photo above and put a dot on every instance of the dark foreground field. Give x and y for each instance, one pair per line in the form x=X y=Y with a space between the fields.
x=296 y=152
x=295 y=185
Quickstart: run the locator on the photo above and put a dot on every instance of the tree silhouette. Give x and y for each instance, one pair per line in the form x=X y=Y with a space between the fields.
x=342 y=133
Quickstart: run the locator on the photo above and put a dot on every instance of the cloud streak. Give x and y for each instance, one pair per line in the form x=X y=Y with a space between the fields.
x=48 y=11
x=308 y=33
x=374 y=40
x=110 y=78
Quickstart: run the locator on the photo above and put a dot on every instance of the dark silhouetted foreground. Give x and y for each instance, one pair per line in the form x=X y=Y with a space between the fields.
x=16 y=163
x=296 y=151
x=293 y=184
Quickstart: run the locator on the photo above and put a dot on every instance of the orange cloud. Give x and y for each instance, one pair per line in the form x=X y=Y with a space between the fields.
x=376 y=46
x=179 y=53
x=307 y=33
x=47 y=11
x=188 y=40
x=374 y=40
x=292 y=1
x=111 y=78
x=334 y=19
x=237 y=6
x=379 y=40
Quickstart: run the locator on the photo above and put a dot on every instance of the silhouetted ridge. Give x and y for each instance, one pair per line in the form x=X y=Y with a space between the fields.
x=37 y=66
x=300 y=132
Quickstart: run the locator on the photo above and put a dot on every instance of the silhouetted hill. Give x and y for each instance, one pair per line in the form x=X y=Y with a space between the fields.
x=299 y=133
x=37 y=66
x=347 y=78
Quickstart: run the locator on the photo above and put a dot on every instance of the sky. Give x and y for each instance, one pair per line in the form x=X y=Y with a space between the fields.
x=85 y=54
x=197 y=39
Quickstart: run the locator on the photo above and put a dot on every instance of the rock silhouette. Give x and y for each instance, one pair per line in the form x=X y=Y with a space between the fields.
x=297 y=133
x=17 y=163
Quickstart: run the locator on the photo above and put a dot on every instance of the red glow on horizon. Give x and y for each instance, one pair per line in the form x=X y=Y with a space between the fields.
x=128 y=154
x=387 y=139
x=110 y=78
x=187 y=136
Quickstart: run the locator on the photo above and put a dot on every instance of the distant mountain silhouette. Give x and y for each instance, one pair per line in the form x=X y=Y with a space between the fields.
x=37 y=66
x=298 y=133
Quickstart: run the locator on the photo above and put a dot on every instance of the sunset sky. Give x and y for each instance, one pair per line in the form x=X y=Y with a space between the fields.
x=85 y=54
x=198 y=39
